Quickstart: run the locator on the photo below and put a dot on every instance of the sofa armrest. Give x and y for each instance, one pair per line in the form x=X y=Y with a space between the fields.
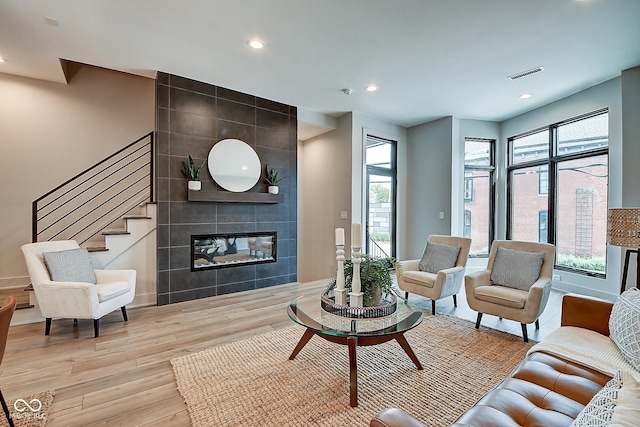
x=586 y=312
x=393 y=417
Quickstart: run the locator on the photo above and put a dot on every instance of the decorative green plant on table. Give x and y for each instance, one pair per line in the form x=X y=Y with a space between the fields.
x=272 y=177
x=375 y=279
x=192 y=171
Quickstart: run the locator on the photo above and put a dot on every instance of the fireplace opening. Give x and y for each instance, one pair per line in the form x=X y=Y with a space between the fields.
x=230 y=250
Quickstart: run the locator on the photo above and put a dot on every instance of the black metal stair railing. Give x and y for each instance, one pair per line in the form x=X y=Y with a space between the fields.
x=376 y=251
x=89 y=202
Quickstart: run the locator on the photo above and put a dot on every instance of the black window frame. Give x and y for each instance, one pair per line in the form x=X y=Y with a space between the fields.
x=491 y=170
x=552 y=163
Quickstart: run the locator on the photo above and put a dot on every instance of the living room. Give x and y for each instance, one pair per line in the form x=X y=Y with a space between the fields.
x=62 y=128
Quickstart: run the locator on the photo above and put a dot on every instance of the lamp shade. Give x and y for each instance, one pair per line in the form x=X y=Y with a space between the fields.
x=623 y=227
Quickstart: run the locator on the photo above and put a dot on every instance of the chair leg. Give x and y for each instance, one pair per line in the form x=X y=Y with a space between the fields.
x=75 y=321
x=537 y=324
x=47 y=326
x=433 y=307
x=124 y=313
x=406 y=295
x=455 y=300
x=96 y=328
x=524 y=332
x=478 y=320
x=6 y=410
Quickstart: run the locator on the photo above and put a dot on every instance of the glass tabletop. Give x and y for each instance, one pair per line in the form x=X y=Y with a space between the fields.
x=307 y=311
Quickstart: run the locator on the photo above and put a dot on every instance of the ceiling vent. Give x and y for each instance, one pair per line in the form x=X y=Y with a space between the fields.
x=526 y=73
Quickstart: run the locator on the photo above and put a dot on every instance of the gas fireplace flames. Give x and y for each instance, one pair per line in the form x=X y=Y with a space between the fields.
x=229 y=250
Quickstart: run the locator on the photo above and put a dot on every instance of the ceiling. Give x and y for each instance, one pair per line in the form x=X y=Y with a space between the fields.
x=430 y=58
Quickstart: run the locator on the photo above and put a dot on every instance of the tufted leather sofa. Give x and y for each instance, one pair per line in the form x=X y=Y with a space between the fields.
x=544 y=390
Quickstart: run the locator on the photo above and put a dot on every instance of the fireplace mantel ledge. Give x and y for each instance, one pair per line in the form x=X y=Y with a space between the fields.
x=231 y=197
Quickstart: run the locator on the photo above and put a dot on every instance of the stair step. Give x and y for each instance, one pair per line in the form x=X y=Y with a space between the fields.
x=18 y=292
x=114 y=232
x=136 y=217
x=97 y=249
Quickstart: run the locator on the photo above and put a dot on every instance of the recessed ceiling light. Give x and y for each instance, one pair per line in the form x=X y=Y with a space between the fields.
x=51 y=21
x=3 y=60
x=526 y=95
x=371 y=88
x=255 y=43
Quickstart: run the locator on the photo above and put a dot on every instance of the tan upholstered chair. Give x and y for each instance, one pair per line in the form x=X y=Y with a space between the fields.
x=521 y=305
x=438 y=285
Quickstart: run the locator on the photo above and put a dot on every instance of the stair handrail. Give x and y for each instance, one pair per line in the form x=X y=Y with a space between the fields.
x=131 y=167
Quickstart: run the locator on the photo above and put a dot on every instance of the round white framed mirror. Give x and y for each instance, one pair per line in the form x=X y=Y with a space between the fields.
x=234 y=165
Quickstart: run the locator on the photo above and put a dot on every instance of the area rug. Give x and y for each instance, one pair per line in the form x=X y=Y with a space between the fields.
x=252 y=382
x=29 y=411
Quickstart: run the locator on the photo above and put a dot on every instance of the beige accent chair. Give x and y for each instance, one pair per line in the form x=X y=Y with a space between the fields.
x=435 y=286
x=77 y=300
x=509 y=303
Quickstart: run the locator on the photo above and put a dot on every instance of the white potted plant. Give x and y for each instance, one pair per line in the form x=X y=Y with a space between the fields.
x=273 y=179
x=192 y=172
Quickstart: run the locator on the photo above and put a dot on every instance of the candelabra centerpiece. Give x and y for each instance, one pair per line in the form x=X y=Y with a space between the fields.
x=365 y=279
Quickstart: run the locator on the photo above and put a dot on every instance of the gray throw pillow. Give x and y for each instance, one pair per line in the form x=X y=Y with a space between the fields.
x=516 y=269
x=624 y=325
x=72 y=265
x=438 y=256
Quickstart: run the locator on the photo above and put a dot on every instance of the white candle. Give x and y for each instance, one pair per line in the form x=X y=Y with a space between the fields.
x=339 y=236
x=356 y=235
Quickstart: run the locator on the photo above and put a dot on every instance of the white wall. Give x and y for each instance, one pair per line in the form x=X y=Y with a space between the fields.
x=630 y=89
x=324 y=181
x=429 y=190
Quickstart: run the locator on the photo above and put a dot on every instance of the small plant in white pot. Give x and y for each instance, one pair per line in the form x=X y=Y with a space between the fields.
x=273 y=179
x=192 y=172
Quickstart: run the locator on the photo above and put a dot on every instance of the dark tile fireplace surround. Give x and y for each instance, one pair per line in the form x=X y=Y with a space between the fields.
x=191 y=117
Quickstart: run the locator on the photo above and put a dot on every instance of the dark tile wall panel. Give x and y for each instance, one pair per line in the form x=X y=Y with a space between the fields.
x=191 y=117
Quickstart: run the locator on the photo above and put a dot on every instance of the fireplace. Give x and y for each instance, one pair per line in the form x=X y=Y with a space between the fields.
x=210 y=251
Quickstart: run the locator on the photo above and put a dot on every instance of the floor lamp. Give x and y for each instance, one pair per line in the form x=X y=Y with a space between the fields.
x=624 y=230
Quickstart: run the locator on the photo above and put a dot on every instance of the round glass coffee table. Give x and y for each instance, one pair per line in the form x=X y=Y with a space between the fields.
x=307 y=311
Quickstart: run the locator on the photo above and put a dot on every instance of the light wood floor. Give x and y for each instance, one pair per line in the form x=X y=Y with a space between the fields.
x=124 y=377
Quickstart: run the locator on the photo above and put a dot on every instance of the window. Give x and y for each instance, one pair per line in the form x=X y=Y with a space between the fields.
x=479 y=167
x=466 y=231
x=543 y=180
x=542 y=226
x=569 y=195
x=468 y=187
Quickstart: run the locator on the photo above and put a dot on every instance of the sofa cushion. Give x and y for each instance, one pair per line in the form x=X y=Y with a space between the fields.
x=542 y=390
x=438 y=256
x=72 y=265
x=624 y=325
x=516 y=269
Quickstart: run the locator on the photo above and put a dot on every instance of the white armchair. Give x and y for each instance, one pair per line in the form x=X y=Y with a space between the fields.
x=77 y=300
x=438 y=285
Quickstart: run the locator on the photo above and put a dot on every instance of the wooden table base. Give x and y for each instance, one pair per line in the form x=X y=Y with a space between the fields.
x=353 y=342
